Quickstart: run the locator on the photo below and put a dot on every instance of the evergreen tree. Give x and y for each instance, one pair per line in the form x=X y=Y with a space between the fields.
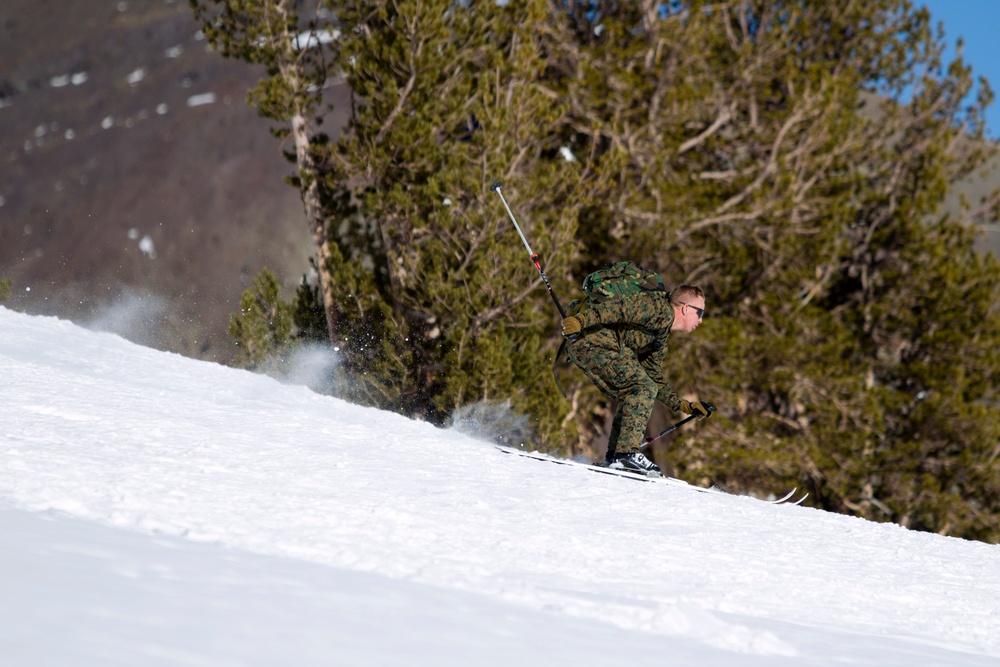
x=262 y=330
x=450 y=97
x=297 y=54
x=766 y=150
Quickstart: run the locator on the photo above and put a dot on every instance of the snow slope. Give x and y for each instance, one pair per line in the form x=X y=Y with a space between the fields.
x=157 y=510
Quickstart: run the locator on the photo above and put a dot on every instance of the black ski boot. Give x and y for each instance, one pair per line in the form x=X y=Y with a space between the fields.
x=635 y=462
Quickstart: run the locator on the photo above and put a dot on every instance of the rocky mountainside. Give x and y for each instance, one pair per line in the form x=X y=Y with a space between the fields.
x=975 y=190
x=138 y=191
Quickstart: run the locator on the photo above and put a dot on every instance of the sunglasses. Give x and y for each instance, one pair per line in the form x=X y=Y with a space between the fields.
x=700 y=311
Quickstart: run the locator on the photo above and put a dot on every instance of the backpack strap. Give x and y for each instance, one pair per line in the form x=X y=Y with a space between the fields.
x=562 y=348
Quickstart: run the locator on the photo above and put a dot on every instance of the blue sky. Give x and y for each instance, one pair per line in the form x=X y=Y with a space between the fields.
x=976 y=22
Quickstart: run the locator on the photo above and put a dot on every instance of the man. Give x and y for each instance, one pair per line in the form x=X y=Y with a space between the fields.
x=620 y=345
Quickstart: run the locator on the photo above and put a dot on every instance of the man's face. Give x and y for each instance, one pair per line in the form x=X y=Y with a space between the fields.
x=689 y=316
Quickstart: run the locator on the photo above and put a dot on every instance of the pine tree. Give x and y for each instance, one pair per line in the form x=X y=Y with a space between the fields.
x=298 y=54
x=766 y=150
x=262 y=330
x=449 y=99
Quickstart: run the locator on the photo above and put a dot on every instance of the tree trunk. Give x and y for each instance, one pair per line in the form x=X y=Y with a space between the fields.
x=309 y=190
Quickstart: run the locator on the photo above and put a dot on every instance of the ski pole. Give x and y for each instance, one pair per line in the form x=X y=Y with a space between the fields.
x=648 y=441
x=497 y=185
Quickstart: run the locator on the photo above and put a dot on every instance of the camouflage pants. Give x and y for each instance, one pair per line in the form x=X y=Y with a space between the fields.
x=617 y=373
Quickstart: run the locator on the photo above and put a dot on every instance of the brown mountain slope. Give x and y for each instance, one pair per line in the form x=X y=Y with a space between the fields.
x=138 y=191
x=976 y=191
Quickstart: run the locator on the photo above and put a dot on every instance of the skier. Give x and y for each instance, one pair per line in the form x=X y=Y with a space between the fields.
x=620 y=345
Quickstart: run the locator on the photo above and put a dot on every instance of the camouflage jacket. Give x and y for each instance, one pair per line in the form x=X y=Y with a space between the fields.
x=641 y=323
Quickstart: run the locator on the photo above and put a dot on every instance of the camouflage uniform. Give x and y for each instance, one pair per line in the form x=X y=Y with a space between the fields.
x=621 y=348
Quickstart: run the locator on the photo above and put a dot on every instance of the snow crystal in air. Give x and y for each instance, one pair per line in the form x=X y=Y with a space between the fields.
x=147 y=247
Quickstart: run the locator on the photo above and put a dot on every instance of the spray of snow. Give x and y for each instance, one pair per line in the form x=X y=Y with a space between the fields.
x=311 y=365
x=133 y=316
x=494 y=422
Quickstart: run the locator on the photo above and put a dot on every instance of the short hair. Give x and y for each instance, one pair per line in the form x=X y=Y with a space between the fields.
x=685 y=293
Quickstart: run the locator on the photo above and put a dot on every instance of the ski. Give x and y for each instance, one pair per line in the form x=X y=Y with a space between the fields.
x=671 y=481
x=786 y=496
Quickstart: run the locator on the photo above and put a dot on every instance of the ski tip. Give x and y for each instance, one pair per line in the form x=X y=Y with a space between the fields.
x=785 y=497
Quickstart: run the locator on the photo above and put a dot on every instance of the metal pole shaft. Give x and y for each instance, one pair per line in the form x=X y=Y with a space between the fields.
x=516 y=226
x=497 y=185
x=648 y=441
x=709 y=408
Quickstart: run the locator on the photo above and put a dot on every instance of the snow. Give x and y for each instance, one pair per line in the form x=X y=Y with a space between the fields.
x=63 y=80
x=136 y=75
x=158 y=510
x=201 y=99
x=147 y=246
x=310 y=39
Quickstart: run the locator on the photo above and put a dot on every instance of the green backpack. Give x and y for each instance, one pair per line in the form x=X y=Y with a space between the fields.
x=623 y=279
x=620 y=280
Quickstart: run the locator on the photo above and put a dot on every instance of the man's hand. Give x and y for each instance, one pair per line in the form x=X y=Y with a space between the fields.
x=571 y=326
x=700 y=409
